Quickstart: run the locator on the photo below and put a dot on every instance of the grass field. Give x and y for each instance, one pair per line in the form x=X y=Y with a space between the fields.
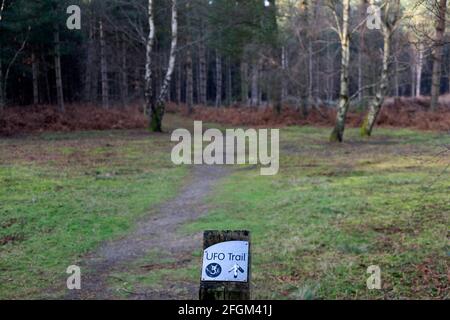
x=332 y=211
x=63 y=194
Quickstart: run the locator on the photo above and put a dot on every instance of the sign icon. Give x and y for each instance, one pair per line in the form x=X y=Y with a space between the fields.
x=213 y=270
x=236 y=269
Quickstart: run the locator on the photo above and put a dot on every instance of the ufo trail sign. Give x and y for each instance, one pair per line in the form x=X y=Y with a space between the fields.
x=226 y=266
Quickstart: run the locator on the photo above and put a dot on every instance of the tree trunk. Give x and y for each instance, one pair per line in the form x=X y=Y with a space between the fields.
x=437 y=55
x=276 y=85
x=309 y=49
x=376 y=104
x=310 y=70
x=35 y=76
x=2 y=94
x=48 y=95
x=88 y=87
x=148 y=91
x=244 y=82
x=412 y=61
x=363 y=13
x=390 y=20
x=448 y=74
x=158 y=110
x=448 y=79
x=218 y=80
x=330 y=72
x=138 y=92
x=419 y=67
x=58 y=76
x=338 y=132
x=396 y=81
x=189 y=81
x=360 y=77
x=179 y=83
x=284 y=66
x=104 y=68
x=229 y=83
x=202 y=74
x=255 y=82
x=261 y=89
x=397 y=91
x=124 y=74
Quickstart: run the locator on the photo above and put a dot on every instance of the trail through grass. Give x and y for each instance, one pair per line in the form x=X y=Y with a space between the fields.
x=61 y=195
x=333 y=211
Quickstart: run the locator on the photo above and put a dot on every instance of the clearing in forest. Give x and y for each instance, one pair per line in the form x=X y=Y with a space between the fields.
x=114 y=203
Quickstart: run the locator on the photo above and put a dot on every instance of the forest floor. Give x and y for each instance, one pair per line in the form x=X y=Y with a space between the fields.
x=396 y=113
x=113 y=203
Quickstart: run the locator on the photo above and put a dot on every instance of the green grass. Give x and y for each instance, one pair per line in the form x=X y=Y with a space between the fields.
x=332 y=211
x=61 y=195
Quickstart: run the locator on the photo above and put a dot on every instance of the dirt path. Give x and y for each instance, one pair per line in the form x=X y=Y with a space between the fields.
x=154 y=232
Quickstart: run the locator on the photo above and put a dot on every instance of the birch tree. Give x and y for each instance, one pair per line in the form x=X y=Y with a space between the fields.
x=156 y=107
x=362 y=16
x=389 y=24
x=344 y=36
x=419 y=52
x=148 y=91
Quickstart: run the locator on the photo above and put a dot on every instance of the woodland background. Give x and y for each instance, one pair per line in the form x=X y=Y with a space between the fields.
x=252 y=53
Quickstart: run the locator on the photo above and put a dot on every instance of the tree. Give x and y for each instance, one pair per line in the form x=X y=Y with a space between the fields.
x=419 y=58
x=148 y=91
x=203 y=78
x=89 y=73
x=21 y=29
x=2 y=94
x=156 y=107
x=104 y=67
x=58 y=75
x=437 y=54
x=362 y=17
x=344 y=37
x=255 y=51
x=219 y=81
x=389 y=24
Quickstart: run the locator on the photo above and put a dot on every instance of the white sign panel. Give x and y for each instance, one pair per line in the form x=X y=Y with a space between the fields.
x=226 y=261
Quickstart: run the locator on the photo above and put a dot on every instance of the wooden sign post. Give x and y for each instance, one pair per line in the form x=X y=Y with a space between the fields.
x=226 y=268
